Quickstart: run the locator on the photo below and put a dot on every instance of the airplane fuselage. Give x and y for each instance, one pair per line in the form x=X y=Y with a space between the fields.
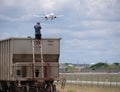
x=50 y=16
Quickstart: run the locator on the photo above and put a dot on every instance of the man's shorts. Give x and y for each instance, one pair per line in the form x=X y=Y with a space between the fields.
x=38 y=36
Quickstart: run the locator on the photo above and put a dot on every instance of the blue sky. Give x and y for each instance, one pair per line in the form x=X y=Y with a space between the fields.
x=90 y=29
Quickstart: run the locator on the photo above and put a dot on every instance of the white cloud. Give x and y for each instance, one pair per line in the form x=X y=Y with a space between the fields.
x=85 y=43
x=56 y=31
x=12 y=19
x=100 y=29
x=99 y=49
x=84 y=8
x=96 y=9
x=34 y=6
x=4 y=35
x=29 y=8
x=89 y=27
x=90 y=34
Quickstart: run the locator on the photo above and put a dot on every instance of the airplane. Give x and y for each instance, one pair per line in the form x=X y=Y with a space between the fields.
x=49 y=16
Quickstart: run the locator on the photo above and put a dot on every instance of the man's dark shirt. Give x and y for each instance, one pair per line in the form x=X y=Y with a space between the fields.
x=37 y=29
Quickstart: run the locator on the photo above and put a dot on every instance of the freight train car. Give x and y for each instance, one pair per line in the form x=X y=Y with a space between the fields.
x=21 y=68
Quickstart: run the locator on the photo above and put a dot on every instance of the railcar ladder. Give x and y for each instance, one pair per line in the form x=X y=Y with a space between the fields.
x=37 y=44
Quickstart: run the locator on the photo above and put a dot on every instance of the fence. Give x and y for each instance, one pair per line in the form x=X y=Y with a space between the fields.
x=111 y=79
x=90 y=82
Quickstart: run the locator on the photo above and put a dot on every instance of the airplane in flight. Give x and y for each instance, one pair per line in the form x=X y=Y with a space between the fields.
x=49 y=16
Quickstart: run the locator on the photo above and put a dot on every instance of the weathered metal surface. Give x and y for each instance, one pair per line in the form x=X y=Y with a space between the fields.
x=16 y=58
x=5 y=60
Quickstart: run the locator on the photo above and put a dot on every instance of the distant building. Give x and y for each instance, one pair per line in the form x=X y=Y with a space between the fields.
x=79 y=67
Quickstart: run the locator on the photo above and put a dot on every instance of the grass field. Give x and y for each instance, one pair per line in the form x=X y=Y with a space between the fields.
x=84 y=88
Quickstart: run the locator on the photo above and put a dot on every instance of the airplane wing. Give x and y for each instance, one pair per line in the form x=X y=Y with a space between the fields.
x=59 y=15
x=38 y=16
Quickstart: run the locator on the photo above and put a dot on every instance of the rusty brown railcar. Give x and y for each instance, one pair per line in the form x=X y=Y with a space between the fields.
x=17 y=71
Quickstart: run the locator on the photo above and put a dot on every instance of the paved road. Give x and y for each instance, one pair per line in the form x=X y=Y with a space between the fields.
x=93 y=83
